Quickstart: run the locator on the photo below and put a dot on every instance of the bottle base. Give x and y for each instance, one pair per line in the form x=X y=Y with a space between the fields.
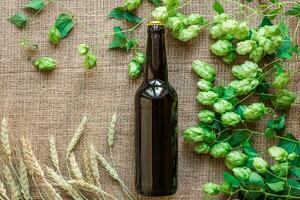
x=154 y=193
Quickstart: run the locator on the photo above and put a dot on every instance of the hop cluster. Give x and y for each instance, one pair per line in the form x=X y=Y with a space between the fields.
x=90 y=60
x=135 y=66
x=45 y=64
x=184 y=27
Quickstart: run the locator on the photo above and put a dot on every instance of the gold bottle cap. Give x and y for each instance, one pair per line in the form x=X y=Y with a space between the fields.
x=153 y=23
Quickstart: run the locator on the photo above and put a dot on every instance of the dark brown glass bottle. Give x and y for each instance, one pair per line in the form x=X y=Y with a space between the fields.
x=156 y=122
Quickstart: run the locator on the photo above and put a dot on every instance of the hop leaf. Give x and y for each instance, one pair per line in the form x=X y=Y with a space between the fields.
x=156 y=2
x=119 y=39
x=19 y=19
x=64 y=23
x=122 y=13
x=295 y=11
x=36 y=4
x=217 y=6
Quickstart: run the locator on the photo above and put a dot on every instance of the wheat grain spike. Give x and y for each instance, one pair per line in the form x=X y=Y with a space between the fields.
x=87 y=167
x=3 y=192
x=13 y=187
x=74 y=168
x=4 y=139
x=23 y=174
x=112 y=130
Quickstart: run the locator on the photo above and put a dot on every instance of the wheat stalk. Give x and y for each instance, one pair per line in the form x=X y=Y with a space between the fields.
x=5 y=139
x=53 y=153
x=94 y=164
x=77 y=136
x=112 y=130
x=87 y=166
x=36 y=171
x=90 y=188
x=109 y=169
x=3 y=192
x=23 y=174
x=60 y=182
x=14 y=189
x=74 y=168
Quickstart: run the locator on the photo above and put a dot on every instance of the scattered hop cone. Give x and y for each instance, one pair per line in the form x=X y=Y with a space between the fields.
x=134 y=69
x=235 y=159
x=209 y=136
x=242 y=173
x=211 y=188
x=222 y=106
x=280 y=169
x=195 y=19
x=207 y=98
x=226 y=188
x=202 y=148
x=204 y=85
x=90 y=60
x=160 y=13
x=283 y=99
x=257 y=54
x=230 y=57
x=244 y=86
x=247 y=70
x=54 y=35
x=83 y=49
x=230 y=26
x=219 y=19
x=204 y=70
x=194 y=134
x=221 y=48
x=140 y=58
x=132 y=4
x=189 y=33
x=216 y=31
x=242 y=31
x=281 y=80
x=220 y=150
x=245 y=47
x=45 y=64
x=260 y=165
x=278 y=153
x=292 y=156
x=230 y=119
x=175 y=23
x=254 y=112
x=206 y=116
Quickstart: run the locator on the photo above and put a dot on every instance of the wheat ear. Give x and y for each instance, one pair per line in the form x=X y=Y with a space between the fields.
x=87 y=167
x=77 y=136
x=5 y=139
x=112 y=130
x=36 y=171
x=94 y=164
x=90 y=188
x=108 y=167
x=74 y=168
x=61 y=183
x=23 y=174
x=3 y=192
x=14 y=189
x=53 y=153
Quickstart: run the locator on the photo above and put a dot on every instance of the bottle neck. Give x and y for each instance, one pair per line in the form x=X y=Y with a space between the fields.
x=156 y=64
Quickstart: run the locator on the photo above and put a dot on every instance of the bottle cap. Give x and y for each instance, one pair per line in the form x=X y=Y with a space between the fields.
x=155 y=23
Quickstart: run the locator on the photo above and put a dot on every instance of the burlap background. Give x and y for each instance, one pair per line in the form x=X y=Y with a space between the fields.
x=43 y=104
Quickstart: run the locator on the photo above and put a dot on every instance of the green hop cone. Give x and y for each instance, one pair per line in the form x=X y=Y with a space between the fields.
x=247 y=70
x=204 y=70
x=216 y=31
x=172 y=6
x=132 y=4
x=280 y=169
x=281 y=80
x=278 y=153
x=230 y=26
x=175 y=23
x=83 y=49
x=201 y=148
x=222 y=106
x=134 y=69
x=54 y=35
x=254 y=112
x=230 y=58
x=204 y=85
x=220 y=150
x=219 y=19
x=269 y=47
x=230 y=119
x=292 y=156
x=90 y=60
x=245 y=47
x=283 y=99
x=242 y=31
x=189 y=33
x=226 y=188
x=206 y=116
x=160 y=13
x=209 y=136
x=221 y=48
x=242 y=173
x=244 y=86
x=45 y=64
x=211 y=188
x=195 y=19
x=235 y=159
x=207 y=98
x=260 y=165
x=194 y=134
x=140 y=58
x=257 y=54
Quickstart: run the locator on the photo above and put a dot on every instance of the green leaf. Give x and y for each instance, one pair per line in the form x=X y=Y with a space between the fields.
x=250 y=152
x=119 y=38
x=263 y=90
x=273 y=13
x=229 y=94
x=217 y=6
x=36 y=4
x=131 y=44
x=122 y=13
x=240 y=109
x=269 y=133
x=290 y=143
x=256 y=179
x=278 y=123
x=19 y=20
x=293 y=183
x=156 y=2
x=296 y=172
x=64 y=23
x=287 y=48
x=294 y=11
x=231 y=179
x=265 y=22
x=238 y=137
x=219 y=90
x=277 y=186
